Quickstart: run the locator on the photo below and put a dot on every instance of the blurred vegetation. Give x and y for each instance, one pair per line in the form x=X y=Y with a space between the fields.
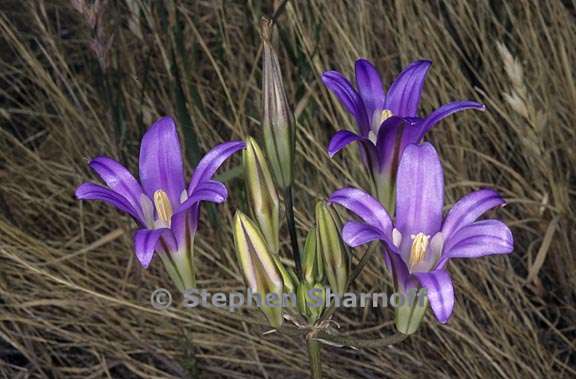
x=75 y=83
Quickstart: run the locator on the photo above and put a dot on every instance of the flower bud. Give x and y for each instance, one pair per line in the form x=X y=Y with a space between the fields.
x=258 y=266
x=312 y=264
x=287 y=275
x=410 y=313
x=277 y=119
x=262 y=194
x=330 y=246
x=311 y=300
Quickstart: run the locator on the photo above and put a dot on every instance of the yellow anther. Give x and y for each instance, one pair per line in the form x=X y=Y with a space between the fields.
x=163 y=206
x=385 y=115
x=418 y=250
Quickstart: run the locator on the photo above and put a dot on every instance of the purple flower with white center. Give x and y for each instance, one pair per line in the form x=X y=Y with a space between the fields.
x=166 y=211
x=386 y=122
x=420 y=240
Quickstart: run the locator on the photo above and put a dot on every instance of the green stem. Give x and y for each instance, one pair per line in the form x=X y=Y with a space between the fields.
x=289 y=204
x=314 y=356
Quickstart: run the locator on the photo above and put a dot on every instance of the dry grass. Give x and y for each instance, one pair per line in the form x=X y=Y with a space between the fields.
x=73 y=302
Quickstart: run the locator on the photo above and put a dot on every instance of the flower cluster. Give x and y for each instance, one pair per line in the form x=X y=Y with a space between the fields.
x=406 y=214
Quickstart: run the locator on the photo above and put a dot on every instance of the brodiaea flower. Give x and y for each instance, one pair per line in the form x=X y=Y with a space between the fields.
x=165 y=210
x=420 y=239
x=387 y=122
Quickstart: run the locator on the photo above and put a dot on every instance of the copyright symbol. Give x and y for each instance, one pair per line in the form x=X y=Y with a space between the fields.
x=161 y=298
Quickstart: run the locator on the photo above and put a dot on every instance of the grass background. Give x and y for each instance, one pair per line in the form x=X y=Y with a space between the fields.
x=73 y=300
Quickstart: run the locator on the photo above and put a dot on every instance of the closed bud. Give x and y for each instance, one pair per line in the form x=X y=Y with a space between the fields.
x=262 y=194
x=411 y=311
x=288 y=277
x=277 y=119
x=311 y=300
x=330 y=246
x=258 y=266
x=312 y=264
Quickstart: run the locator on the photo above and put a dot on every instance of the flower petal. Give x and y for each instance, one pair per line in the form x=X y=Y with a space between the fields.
x=146 y=242
x=403 y=96
x=419 y=192
x=161 y=161
x=481 y=238
x=212 y=161
x=340 y=140
x=358 y=233
x=469 y=208
x=440 y=292
x=209 y=190
x=445 y=111
x=348 y=97
x=184 y=225
x=399 y=270
x=389 y=143
x=369 y=86
x=365 y=207
x=119 y=179
x=91 y=191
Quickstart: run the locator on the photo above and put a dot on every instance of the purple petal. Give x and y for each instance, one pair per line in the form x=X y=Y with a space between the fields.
x=358 y=233
x=440 y=292
x=348 y=97
x=469 y=208
x=210 y=190
x=399 y=270
x=340 y=140
x=479 y=239
x=419 y=192
x=403 y=96
x=147 y=241
x=445 y=111
x=212 y=161
x=365 y=207
x=184 y=225
x=119 y=179
x=161 y=165
x=369 y=86
x=91 y=191
x=389 y=143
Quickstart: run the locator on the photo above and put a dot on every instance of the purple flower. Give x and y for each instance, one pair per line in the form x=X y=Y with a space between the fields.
x=387 y=122
x=420 y=240
x=166 y=211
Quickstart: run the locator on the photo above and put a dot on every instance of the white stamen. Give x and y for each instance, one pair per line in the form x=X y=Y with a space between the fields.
x=396 y=237
x=163 y=206
x=418 y=250
x=183 y=196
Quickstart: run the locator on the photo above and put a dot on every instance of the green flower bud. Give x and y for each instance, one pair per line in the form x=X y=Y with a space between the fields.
x=330 y=246
x=311 y=300
x=288 y=277
x=258 y=266
x=409 y=315
x=277 y=119
x=312 y=264
x=262 y=194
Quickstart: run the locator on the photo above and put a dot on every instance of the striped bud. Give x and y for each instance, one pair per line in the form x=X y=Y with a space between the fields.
x=258 y=266
x=330 y=246
x=410 y=313
x=262 y=194
x=312 y=264
x=311 y=300
x=277 y=119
